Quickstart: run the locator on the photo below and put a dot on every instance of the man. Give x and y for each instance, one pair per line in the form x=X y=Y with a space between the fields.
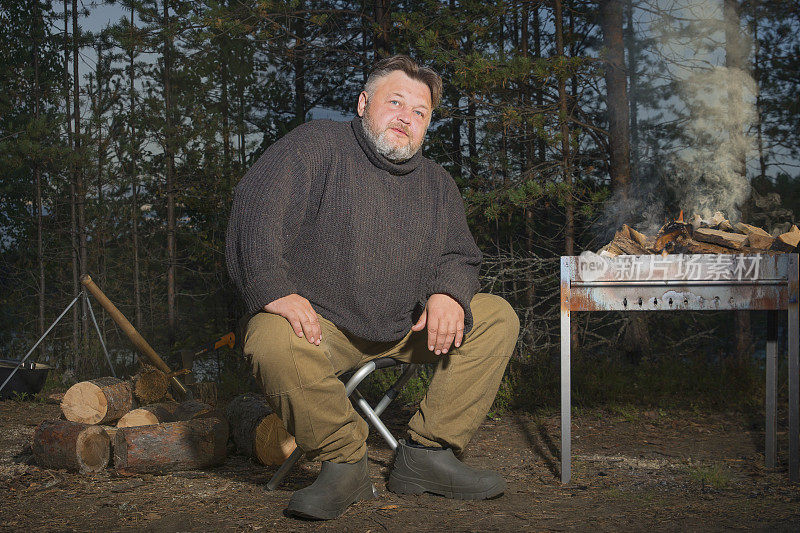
x=348 y=245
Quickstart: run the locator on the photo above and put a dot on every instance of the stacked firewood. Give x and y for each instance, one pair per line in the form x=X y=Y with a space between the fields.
x=137 y=426
x=716 y=235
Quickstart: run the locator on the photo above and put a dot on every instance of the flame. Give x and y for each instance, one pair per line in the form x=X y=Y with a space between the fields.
x=680 y=217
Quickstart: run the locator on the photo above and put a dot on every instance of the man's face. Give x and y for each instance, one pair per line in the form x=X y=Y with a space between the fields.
x=397 y=115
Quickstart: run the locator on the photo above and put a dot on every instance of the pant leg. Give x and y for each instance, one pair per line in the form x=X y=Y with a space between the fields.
x=466 y=379
x=299 y=380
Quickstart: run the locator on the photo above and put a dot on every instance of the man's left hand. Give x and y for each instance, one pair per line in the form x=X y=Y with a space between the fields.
x=444 y=317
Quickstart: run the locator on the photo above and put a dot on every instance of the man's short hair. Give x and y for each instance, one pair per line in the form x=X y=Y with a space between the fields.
x=410 y=67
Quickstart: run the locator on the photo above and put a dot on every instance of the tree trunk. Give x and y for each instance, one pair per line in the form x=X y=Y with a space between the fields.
x=569 y=225
x=299 y=68
x=79 y=188
x=73 y=233
x=226 y=129
x=616 y=97
x=169 y=154
x=383 y=20
x=37 y=172
x=472 y=138
x=537 y=50
x=134 y=178
x=633 y=96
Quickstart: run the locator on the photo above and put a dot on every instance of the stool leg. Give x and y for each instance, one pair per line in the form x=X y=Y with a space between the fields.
x=373 y=419
x=395 y=389
x=287 y=465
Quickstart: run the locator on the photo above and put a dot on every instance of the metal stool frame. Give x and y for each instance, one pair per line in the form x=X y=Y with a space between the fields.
x=371 y=414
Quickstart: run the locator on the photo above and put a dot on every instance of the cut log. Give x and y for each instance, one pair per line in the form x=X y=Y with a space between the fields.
x=150 y=385
x=71 y=445
x=257 y=431
x=111 y=431
x=756 y=237
x=205 y=391
x=671 y=231
x=639 y=238
x=159 y=413
x=183 y=445
x=156 y=413
x=192 y=409
x=628 y=246
x=97 y=401
x=788 y=241
x=716 y=220
x=721 y=238
x=691 y=246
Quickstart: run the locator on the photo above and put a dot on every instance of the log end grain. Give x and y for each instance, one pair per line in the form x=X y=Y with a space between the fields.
x=71 y=445
x=273 y=444
x=150 y=385
x=97 y=401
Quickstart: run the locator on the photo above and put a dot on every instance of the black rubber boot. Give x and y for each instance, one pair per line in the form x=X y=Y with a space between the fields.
x=337 y=487
x=436 y=470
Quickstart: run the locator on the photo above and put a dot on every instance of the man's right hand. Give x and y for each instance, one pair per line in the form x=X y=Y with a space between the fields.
x=298 y=311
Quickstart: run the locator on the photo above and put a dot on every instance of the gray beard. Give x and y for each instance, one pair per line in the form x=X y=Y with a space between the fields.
x=383 y=146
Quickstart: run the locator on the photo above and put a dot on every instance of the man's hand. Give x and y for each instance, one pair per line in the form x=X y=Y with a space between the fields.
x=445 y=319
x=298 y=311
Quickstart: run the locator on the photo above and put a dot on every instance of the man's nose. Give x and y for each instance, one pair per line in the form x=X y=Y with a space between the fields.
x=404 y=116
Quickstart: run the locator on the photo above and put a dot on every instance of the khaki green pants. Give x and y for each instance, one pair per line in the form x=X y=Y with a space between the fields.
x=299 y=379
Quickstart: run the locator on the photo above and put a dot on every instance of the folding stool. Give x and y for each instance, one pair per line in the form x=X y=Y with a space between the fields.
x=372 y=414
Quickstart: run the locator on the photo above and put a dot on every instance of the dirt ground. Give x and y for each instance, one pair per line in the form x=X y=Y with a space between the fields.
x=633 y=470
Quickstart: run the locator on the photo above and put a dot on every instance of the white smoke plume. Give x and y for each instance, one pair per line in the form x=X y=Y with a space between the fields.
x=709 y=171
x=710 y=114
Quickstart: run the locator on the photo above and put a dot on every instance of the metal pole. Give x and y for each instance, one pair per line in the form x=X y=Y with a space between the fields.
x=99 y=335
x=566 y=408
x=794 y=371
x=39 y=341
x=771 y=443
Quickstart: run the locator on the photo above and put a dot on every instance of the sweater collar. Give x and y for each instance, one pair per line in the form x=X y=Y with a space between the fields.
x=380 y=161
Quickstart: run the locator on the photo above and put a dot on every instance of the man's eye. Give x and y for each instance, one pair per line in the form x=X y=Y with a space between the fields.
x=394 y=102
x=419 y=113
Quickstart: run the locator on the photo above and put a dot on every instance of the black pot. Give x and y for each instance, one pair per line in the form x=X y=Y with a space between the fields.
x=29 y=378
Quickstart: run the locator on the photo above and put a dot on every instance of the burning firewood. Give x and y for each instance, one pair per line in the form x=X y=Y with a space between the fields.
x=716 y=235
x=722 y=238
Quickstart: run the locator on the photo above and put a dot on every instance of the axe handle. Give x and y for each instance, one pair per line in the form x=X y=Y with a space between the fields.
x=130 y=331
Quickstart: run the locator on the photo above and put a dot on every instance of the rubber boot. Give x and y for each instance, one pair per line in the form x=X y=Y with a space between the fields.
x=338 y=486
x=438 y=471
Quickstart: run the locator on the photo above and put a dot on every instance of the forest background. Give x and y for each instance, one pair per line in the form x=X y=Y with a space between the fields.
x=560 y=121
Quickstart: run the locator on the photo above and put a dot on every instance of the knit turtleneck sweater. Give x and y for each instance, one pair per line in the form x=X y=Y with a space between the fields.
x=366 y=240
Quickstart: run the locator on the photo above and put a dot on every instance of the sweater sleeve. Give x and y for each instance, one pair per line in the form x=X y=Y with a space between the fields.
x=456 y=271
x=269 y=205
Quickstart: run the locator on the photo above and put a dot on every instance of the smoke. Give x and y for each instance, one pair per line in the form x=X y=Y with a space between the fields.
x=707 y=59
x=698 y=157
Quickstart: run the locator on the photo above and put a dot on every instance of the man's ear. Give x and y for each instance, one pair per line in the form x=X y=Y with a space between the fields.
x=362 y=103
